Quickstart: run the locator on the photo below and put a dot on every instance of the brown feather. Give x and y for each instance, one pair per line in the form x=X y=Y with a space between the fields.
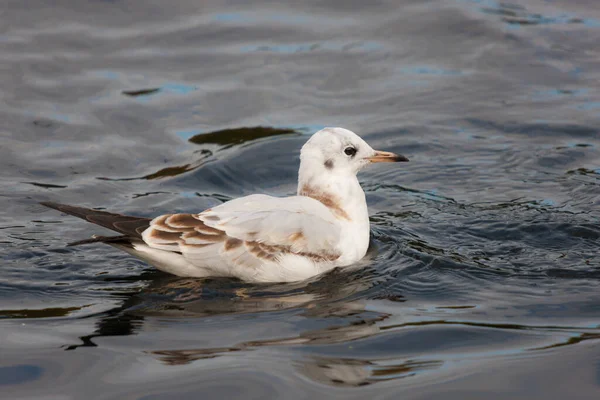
x=327 y=199
x=271 y=252
x=232 y=243
x=183 y=221
x=160 y=223
x=203 y=237
x=164 y=237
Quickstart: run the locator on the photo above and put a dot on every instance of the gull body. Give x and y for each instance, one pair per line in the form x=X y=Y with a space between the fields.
x=260 y=238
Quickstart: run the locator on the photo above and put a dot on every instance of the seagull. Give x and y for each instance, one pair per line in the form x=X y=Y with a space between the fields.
x=261 y=238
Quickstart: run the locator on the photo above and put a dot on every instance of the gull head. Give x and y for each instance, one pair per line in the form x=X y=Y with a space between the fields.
x=340 y=151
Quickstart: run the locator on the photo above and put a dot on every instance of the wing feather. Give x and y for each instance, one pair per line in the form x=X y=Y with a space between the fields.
x=250 y=231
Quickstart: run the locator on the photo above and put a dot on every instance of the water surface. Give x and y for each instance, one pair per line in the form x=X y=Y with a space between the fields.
x=483 y=277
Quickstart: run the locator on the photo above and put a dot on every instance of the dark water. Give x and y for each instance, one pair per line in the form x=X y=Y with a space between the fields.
x=484 y=275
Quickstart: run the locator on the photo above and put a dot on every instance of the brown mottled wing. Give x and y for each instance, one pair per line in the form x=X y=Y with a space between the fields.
x=249 y=231
x=124 y=224
x=170 y=231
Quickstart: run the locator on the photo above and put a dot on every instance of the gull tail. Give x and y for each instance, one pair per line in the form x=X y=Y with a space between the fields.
x=129 y=227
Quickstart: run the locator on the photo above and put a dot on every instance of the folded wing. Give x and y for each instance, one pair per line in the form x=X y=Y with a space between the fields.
x=249 y=231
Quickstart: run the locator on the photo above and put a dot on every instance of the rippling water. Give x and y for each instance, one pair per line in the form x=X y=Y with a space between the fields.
x=483 y=276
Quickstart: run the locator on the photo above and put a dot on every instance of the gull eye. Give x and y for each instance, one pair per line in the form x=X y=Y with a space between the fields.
x=350 y=151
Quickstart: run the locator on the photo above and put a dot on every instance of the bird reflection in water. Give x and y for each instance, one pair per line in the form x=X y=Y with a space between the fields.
x=358 y=323
x=356 y=372
x=323 y=298
x=327 y=370
x=173 y=297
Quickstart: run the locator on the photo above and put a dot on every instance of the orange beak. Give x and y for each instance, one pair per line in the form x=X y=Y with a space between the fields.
x=386 y=156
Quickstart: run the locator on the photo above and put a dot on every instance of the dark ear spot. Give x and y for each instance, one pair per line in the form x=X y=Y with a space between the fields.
x=329 y=164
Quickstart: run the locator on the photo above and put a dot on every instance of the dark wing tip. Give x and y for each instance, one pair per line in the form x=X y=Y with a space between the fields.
x=122 y=240
x=51 y=204
x=128 y=225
